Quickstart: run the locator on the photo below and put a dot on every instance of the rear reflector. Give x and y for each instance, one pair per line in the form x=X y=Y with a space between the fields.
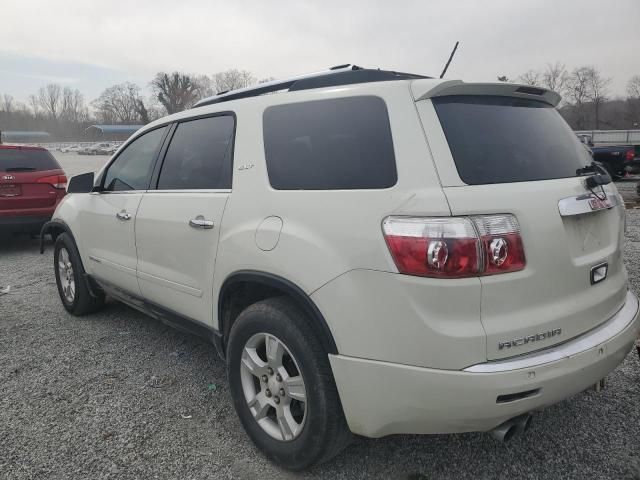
x=455 y=247
x=56 y=181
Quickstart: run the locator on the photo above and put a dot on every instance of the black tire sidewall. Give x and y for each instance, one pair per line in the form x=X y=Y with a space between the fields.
x=307 y=448
x=63 y=241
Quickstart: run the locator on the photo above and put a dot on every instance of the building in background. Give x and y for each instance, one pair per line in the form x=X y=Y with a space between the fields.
x=24 y=136
x=110 y=132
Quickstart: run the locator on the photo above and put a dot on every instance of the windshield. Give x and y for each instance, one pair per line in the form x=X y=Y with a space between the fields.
x=503 y=139
x=26 y=160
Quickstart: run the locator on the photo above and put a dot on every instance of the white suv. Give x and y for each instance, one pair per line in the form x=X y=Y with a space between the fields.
x=371 y=252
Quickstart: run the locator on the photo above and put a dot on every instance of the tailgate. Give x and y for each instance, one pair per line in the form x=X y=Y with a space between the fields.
x=25 y=190
x=512 y=153
x=554 y=291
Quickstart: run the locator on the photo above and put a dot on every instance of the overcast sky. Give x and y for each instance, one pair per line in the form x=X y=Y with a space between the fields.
x=91 y=45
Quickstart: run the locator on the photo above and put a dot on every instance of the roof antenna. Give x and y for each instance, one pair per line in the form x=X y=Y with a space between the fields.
x=453 y=52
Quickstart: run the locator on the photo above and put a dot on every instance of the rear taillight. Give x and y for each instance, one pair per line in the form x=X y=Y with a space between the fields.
x=56 y=181
x=455 y=247
x=501 y=243
x=628 y=156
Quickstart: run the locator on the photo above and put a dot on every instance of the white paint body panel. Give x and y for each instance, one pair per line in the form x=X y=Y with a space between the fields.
x=175 y=260
x=110 y=246
x=418 y=334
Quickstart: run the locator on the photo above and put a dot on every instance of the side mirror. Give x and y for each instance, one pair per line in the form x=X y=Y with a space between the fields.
x=81 y=183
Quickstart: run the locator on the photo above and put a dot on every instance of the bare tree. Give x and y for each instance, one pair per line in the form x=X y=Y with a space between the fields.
x=73 y=108
x=50 y=99
x=578 y=94
x=597 y=91
x=34 y=103
x=121 y=103
x=7 y=103
x=232 y=80
x=633 y=101
x=633 y=87
x=555 y=77
x=530 y=77
x=175 y=91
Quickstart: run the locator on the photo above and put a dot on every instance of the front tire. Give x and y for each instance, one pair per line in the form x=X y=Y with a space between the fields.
x=282 y=386
x=72 y=285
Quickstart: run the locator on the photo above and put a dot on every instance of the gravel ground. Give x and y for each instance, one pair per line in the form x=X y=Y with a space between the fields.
x=119 y=395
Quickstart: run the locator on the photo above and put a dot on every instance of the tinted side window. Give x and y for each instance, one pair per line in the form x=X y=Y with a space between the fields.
x=334 y=144
x=133 y=167
x=199 y=155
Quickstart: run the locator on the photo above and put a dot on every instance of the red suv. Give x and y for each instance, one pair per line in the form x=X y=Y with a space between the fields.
x=32 y=183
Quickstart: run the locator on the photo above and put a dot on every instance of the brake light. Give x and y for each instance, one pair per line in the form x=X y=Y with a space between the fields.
x=455 y=247
x=56 y=181
x=501 y=243
x=628 y=156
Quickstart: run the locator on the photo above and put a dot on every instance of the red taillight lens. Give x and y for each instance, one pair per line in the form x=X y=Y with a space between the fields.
x=455 y=247
x=56 y=181
x=628 y=157
x=501 y=243
x=433 y=247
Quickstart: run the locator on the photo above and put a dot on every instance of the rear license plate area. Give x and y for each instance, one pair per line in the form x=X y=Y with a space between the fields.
x=10 y=190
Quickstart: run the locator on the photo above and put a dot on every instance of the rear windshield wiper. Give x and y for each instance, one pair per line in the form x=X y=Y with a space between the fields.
x=598 y=177
x=21 y=169
x=588 y=170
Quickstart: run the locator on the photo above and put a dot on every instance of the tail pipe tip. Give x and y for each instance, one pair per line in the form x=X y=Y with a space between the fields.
x=507 y=430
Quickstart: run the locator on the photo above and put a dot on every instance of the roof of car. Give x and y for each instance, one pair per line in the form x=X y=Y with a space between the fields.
x=339 y=75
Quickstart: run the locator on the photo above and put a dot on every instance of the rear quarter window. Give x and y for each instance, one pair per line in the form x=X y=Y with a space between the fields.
x=503 y=139
x=334 y=144
x=12 y=160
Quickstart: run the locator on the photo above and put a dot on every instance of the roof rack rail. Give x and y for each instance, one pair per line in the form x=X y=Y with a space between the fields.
x=346 y=74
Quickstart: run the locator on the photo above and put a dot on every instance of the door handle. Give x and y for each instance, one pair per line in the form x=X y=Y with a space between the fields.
x=200 y=222
x=123 y=215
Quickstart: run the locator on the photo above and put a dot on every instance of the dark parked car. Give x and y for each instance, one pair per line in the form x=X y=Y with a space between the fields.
x=32 y=183
x=617 y=159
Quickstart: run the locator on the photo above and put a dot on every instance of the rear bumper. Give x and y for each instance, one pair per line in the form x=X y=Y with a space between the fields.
x=382 y=398
x=23 y=223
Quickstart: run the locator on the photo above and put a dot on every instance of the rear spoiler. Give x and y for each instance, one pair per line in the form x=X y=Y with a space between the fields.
x=423 y=89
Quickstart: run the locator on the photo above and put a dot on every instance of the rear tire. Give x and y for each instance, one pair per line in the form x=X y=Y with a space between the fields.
x=313 y=430
x=70 y=278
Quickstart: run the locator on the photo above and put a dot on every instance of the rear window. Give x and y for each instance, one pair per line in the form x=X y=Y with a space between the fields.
x=334 y=144
x=16 y=160
x=503 y=139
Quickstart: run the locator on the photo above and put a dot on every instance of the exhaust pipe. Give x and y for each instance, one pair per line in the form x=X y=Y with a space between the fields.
x=506 y=431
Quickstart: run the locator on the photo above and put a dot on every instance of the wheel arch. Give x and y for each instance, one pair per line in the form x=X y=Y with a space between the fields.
x=55 y=228
x=252 y=286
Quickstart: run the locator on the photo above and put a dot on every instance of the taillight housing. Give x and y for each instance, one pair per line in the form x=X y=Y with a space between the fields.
x=629 y=155
x=455 y=247
x=56 y=181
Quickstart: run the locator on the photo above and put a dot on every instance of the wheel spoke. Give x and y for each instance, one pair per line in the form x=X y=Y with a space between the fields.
x=287 y=424
x=72 y=289
x=275 y=351
x=294 y=387
x=64 y=256
x=259 y=406
x=252 y=362
x=61 y=266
